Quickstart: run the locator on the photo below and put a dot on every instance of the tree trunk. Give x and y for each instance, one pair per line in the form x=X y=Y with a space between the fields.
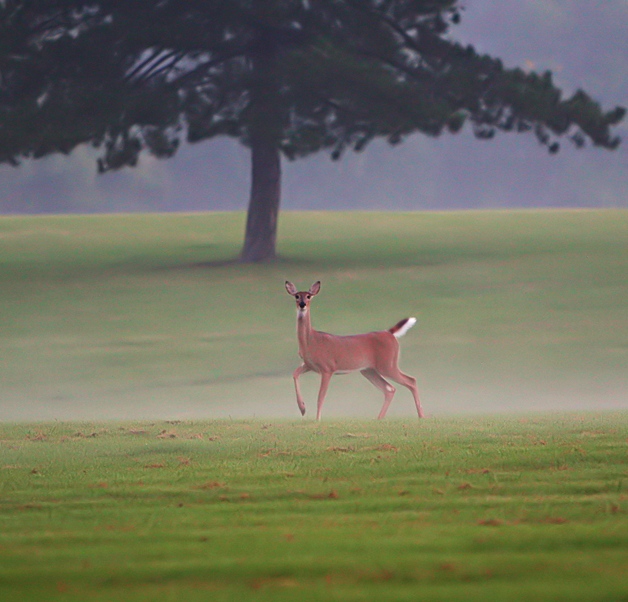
x=261 y=224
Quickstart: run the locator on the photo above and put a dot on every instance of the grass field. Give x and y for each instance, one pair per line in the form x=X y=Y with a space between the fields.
x=139 y=317
x=527 y=508
x=149 y=440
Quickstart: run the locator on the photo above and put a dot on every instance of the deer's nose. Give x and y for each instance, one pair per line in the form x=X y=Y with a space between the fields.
x=302 y=304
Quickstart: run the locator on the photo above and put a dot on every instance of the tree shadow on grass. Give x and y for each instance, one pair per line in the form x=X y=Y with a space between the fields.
x=235 y=262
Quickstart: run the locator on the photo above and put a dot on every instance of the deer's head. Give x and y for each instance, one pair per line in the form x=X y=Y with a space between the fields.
x=303 y=298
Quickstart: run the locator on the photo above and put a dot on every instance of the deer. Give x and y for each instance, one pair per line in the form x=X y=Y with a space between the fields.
x=374 y=354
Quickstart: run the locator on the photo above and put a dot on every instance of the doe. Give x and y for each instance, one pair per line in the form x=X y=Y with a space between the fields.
x=374 y=354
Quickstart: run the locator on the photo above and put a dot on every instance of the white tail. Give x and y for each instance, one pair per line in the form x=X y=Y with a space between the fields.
x=399 y=329
x=374 y=354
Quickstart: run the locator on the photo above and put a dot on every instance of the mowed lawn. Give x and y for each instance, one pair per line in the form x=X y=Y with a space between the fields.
x=143 y=316
x=451 y=509
x=151 y=447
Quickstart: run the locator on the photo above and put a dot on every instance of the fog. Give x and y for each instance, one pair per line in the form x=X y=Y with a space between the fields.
x=349 y=397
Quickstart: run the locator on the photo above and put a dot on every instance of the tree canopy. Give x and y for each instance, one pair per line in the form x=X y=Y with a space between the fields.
x=284 y=77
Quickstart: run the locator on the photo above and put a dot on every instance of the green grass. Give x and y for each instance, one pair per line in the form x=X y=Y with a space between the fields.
x=523 y=316
x=138 y=316
x=449 y=509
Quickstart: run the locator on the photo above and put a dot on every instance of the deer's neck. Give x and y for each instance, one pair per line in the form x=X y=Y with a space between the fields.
x=304 y=329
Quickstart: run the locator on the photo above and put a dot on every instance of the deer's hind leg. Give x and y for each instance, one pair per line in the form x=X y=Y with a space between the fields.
x=383 y=385
x=410 y=383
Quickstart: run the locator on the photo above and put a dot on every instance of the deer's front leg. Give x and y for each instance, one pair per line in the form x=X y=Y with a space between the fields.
x=325 y=378
x=300 y=370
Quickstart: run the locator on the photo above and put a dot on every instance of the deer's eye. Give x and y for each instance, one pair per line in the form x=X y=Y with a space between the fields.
x=309 y=296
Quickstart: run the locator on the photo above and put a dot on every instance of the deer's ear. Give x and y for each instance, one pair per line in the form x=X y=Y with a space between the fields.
x=292 y=290
x=315 y=288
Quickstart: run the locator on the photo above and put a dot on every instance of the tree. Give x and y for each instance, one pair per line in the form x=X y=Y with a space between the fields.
x=284 y=77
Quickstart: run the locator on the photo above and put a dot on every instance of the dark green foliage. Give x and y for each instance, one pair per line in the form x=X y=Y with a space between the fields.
x=308 y=75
